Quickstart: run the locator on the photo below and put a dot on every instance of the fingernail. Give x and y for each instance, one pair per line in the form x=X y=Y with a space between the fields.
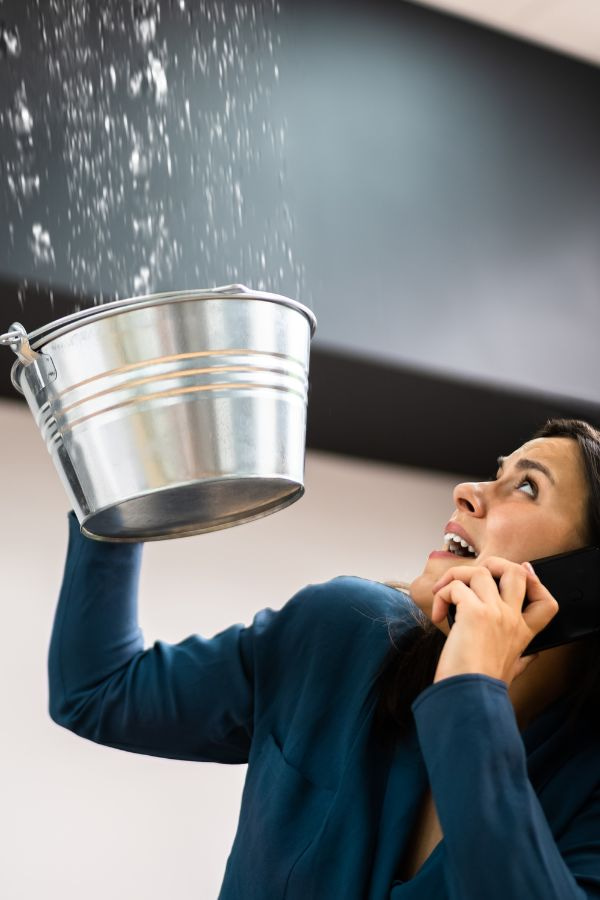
x=530 y=569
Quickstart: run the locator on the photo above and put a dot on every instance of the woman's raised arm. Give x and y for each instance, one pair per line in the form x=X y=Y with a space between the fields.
x=191 y=700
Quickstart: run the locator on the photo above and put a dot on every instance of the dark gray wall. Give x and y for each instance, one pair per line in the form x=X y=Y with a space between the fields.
x=443 y=181
x=449 y=210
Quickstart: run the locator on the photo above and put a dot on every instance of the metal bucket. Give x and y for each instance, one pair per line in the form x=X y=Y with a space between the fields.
x=172 y=414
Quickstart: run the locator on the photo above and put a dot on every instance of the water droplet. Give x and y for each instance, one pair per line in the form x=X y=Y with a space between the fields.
x=134 y=87
x=141 y=281
x=150 y=79
x=187 y=113
x=107 y=18
x=41 y=245
x=10 y=42
x=158 y=77
x=238 y=201
x=146 y=29
x=146 y=15
x=139 y=162
x=143 y=226
x=21 y=117
x=23 y=185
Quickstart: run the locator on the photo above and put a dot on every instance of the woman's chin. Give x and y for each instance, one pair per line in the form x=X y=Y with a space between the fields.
x=421 y=593
x=422 y=596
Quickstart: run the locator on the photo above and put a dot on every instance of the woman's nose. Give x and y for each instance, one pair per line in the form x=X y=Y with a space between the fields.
x=468 y=497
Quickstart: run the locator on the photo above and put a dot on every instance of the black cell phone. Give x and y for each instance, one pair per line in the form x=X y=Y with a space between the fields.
x=573 y=579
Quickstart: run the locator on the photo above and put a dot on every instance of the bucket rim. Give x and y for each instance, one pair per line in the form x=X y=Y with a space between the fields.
x=59 y=327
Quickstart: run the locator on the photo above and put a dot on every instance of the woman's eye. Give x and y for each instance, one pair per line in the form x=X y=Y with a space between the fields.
x=530 y=485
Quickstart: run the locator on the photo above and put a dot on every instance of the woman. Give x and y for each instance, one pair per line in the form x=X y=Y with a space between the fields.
x=434 y=765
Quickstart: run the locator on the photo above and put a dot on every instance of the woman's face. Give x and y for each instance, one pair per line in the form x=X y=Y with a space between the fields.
x=536 y=507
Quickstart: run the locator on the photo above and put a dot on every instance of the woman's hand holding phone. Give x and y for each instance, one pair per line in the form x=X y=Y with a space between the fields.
x=490 y=629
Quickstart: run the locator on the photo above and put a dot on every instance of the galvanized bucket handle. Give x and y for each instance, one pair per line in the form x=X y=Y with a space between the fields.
x=38 y=368
x=18 y=340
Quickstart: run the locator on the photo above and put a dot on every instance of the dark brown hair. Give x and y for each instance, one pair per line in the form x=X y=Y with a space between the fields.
x=411 y=662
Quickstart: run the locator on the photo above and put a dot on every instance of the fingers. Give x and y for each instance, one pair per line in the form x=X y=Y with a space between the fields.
x=460 y=573
x=542 y=606
x=457 y=593
x=513 y=586
x=515 y=582
x=512 y=580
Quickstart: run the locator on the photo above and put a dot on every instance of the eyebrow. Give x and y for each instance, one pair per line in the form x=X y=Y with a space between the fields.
x=530 y=464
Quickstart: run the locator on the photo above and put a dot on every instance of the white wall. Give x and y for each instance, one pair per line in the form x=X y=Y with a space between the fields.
x=82 y=821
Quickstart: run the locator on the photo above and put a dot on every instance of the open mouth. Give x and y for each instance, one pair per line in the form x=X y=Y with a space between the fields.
x=457 y=545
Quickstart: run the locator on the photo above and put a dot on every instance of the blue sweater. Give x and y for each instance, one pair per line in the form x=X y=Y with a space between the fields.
x=327 y=809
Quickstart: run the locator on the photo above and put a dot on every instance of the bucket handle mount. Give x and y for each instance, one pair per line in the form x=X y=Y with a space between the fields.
x=38 y=368
x=18 y=340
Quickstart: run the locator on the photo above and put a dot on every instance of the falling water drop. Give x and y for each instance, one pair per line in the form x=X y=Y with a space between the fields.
x=141 y=281
x=146 y=29
x=10 y=42
x=23 y=185
x=146 y=14
x=158 y=77
x=139 y=162
x=136 y=81
x=143 y=226
x=21 y=116
x=41 y=245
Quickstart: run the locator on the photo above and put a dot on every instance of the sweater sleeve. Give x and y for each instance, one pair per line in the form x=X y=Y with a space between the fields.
x=498 y=841
x=192 y=700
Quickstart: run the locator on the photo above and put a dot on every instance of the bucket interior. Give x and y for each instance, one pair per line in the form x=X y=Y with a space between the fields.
x=192 y=509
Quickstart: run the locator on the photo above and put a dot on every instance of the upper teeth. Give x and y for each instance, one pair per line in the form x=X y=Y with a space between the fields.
x=450 y=536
